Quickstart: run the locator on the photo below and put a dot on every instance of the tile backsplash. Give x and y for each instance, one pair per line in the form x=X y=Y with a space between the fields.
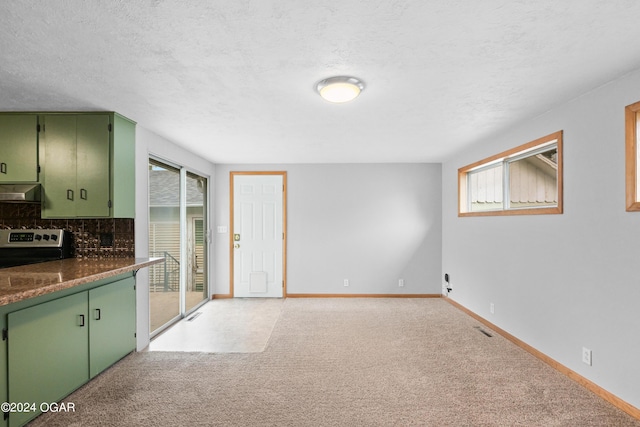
x=94 y=238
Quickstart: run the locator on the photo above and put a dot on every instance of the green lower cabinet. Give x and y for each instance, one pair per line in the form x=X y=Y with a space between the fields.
x=48 y=353
x=113 y=322
x=56 y=346
x=4 y=397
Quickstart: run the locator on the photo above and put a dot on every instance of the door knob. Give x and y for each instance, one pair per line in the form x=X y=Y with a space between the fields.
x=237 y=245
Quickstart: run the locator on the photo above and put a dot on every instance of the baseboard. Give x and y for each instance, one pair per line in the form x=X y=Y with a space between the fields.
x=364 y=296
x=599 y=391
x=228 y=296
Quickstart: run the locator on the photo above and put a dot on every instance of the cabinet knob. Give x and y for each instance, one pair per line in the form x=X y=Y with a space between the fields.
x=3 y=168
x=69 y=194
x=83 y=194
x=81 y=320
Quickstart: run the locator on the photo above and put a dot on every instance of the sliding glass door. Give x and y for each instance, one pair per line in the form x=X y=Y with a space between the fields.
x=164 y=241
x=177 y=232
x=196 y=289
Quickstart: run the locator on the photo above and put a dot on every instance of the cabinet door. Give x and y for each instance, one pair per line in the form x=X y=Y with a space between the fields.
x=48 y=352
x=123 y=168
x=112 y=309
x=18 y=148
x=92 y=166
x=58 y=136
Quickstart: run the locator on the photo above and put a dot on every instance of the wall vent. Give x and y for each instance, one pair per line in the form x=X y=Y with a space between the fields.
x=194 y=316
x=483 y=331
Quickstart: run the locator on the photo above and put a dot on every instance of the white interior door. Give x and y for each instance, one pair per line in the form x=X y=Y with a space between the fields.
x=258 y=236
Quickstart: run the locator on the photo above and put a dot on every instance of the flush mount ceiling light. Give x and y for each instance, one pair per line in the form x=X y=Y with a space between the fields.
x=340 y=89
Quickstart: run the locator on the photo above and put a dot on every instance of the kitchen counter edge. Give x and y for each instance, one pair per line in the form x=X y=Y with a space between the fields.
x=29 y=281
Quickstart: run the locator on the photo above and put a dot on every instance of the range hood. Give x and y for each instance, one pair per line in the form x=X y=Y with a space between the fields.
x=20 y=193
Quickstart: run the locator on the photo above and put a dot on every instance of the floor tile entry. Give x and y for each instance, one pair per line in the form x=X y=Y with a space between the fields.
x=238 y=325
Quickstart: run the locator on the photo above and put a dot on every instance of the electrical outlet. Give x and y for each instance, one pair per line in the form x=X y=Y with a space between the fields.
x=586 y=356
x=401 y=283
x=492 y=308
x=106 y=240
x=346 y=282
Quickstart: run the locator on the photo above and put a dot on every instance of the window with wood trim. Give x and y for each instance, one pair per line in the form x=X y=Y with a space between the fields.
x=526 y=180
x=632 y=118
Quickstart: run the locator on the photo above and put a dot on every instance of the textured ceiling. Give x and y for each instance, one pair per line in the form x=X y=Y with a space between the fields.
x=233 y=80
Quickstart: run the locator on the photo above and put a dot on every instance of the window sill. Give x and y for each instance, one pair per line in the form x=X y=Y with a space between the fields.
x=536 y=211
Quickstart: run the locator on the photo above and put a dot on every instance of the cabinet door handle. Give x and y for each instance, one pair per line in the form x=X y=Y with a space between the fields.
x=98 y=314
x=83 y=194
x=3 y=168
x=70 y=194
x=81 y=318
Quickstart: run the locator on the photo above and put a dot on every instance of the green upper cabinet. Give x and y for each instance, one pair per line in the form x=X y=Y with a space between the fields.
x=18 y=148
x=88 y=158
x=123 y=166
x=76 y=165
x=92 y=167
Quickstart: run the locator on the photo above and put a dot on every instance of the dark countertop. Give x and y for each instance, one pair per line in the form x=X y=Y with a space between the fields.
x=28 y=281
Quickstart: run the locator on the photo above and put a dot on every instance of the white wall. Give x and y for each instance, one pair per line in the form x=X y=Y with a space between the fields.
x=560 y=282
x=370 y=223
x=148 y=143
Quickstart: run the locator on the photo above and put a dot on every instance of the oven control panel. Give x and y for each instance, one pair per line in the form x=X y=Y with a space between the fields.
x=31 y=238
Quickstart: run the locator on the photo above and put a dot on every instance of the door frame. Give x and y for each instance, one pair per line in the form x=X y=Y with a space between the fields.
x=232 y=176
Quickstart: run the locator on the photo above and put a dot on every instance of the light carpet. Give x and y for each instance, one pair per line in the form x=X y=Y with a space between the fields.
x=345 y=362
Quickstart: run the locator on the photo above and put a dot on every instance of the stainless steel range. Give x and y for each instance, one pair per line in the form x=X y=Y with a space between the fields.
x=21 y=247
